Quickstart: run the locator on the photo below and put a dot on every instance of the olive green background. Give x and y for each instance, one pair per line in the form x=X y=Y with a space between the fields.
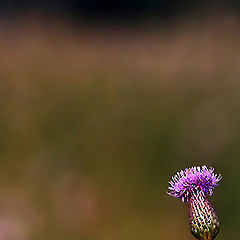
x=96 y=118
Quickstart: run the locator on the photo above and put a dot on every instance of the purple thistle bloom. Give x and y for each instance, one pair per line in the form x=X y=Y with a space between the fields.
x=192 y=179
x=192 y=185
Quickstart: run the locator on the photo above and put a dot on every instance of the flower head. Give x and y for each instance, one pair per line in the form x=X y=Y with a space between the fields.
x=193 y=185
x=193 y=179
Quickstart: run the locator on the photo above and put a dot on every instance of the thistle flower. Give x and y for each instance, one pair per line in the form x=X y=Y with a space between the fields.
x=192 y=186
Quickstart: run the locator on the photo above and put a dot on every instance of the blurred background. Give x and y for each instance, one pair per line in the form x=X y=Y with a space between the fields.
x=102 y=102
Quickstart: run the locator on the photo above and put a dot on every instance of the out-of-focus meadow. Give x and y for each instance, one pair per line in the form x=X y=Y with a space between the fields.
x=95 y=119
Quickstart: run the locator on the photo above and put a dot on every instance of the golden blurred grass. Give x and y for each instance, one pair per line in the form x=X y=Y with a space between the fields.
x=96 y=118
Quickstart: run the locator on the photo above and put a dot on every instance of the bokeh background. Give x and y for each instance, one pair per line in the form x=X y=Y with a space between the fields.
x=101 y=102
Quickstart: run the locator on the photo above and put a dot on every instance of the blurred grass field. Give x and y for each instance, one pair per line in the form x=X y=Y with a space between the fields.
x=95 y=119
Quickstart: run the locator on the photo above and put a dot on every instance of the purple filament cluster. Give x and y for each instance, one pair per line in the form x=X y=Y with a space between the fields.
x=193 y=179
